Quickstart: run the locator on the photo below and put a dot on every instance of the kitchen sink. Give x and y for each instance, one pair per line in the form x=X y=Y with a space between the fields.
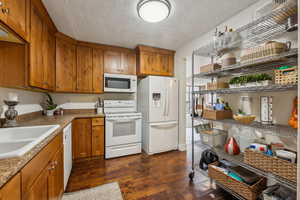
x=15 y=142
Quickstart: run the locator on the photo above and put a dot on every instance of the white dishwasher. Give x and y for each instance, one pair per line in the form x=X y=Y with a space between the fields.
x=67 y=153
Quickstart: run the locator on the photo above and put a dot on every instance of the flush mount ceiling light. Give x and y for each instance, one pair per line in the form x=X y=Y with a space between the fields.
x=153 y=10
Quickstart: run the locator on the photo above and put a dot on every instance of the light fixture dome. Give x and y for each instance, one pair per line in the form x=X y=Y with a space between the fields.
x=153 y=10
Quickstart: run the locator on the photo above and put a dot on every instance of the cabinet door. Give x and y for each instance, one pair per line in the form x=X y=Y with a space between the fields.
x=3 y=16
x=12 y=189
x=112 y=62
x=65 y=66
x=56 y=178
x=98 y=141
x=129 y=63
x=82 y=138
x=148 y=63
x=165 y=64
x=98 y=71
x=49 y=58
x=15 y=11
x=39 y=190
x=36 y=45
x=84 y=69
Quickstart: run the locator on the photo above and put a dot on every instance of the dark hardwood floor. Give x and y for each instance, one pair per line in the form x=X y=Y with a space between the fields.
x=143 y=177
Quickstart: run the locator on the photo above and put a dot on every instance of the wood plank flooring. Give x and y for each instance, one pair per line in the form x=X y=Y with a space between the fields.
x=143 y=177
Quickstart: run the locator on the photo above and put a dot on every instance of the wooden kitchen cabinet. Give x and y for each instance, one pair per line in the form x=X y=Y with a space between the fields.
x=36 y=70
x=12 y=189
x=119 y=62
x=42 y=177
x=98 y=71
x=155 y=61
x=14 y=14
x=98 y=141
x=84 y=69
x=42 y=51
x=112 y=62
x=82 y=138
x=88 y=138
x=65 y=65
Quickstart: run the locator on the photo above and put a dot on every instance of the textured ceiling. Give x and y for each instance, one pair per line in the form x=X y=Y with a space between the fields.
x=116 y=22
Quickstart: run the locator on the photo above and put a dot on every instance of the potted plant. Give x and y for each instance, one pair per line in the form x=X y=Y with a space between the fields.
x=264 y=80
x=50 y=105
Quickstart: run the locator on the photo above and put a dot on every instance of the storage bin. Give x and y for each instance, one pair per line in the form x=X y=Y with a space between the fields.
x=217 y=85
x=249 y=192
x=286 y=76
x=217 y=114
x=271 y=164
x=209 y=68
x=214 y=137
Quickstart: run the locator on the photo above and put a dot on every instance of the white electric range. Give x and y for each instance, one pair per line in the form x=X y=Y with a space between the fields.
x=123 y=128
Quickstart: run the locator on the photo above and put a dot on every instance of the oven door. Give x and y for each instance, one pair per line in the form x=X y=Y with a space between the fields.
x=119 y=83
x=123 y=131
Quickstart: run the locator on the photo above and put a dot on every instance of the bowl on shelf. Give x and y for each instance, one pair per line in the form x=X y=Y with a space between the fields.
x=244 y=119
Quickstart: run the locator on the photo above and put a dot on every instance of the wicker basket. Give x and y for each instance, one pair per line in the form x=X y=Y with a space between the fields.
x=269 y=49
x=217 y=85
x=289 y=9
x=247 y=119
x=209 y=68
x=249 y=192
x=286 y=76
x=271 y=164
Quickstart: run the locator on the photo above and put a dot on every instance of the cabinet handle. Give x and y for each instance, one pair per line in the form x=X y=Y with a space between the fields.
x=5 y=10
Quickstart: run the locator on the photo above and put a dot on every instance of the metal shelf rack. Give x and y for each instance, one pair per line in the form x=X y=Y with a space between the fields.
x=255 y=33
x=269 y=88
x=249 y=35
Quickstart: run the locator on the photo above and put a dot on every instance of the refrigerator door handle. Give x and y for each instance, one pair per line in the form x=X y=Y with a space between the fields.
x=164 y=125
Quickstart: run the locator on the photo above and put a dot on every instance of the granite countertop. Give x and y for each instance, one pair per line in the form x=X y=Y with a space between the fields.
x=10 y=167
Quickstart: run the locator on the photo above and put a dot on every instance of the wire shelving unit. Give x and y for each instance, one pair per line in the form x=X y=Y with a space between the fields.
x=250 y=35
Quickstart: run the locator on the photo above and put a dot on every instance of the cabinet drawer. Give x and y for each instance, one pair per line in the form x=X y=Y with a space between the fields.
x=98 y=122
x=32 y=170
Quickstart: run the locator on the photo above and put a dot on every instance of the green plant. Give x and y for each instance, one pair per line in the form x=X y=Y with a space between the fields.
x=250 y=78
x=50 y=105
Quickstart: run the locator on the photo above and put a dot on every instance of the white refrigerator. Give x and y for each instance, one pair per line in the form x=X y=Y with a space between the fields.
x=158 y=102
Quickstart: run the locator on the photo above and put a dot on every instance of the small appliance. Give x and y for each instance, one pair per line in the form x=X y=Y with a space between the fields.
x=120 y=83
x=123 y=128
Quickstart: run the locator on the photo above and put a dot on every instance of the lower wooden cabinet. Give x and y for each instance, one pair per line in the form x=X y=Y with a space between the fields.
x=88 y=138
x=12 y=189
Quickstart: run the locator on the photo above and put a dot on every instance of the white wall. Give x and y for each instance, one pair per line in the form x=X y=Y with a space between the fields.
x=184 y=73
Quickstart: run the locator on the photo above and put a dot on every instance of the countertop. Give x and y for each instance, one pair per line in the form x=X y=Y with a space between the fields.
x=10 y=167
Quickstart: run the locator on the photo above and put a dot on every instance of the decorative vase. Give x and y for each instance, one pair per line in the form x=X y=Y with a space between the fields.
x=50 y=113
x=232 y=147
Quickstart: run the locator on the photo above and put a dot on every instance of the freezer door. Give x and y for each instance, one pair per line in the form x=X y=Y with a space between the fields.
x=163 y=137
x=163 y=99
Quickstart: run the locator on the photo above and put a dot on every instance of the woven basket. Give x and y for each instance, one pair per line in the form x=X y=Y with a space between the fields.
x=217 y=85
x=247 y=119
x=271 y=164
x=249 y=192
x=286 y=76
x=269 y=49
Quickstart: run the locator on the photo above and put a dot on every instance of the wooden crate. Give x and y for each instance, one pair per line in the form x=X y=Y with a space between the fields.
x=286 y=76
x=210 y=68
x=217 y=114
x=249 y=192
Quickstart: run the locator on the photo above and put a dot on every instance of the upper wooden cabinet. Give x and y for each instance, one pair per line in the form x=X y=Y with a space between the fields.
x=155 y=61
x=98 y=71
x=65 y=64
x=119 y=62
x=42 y=51
x=14 y=13
x=84 y=69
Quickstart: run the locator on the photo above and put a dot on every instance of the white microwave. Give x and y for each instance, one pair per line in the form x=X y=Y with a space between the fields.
x=120 y=83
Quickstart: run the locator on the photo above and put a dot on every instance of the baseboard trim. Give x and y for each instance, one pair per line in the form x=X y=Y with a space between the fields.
x=182 y=147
